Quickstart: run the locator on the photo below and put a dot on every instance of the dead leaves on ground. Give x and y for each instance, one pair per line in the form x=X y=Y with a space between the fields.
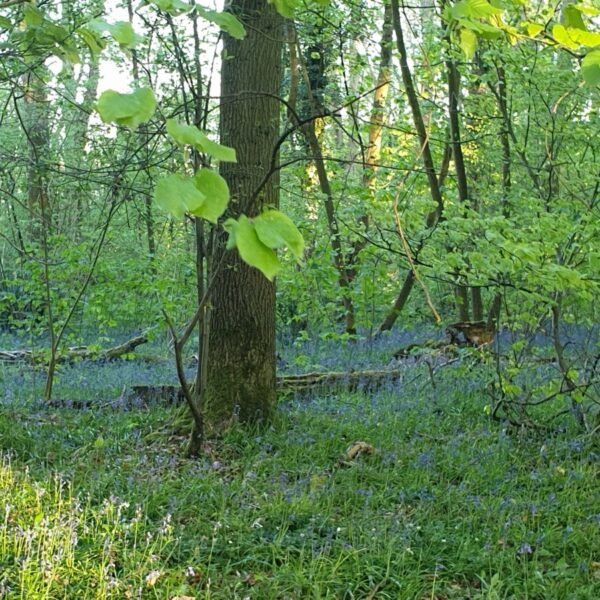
x=354 y=452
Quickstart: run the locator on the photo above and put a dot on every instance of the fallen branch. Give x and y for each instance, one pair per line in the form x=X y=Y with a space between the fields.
x=329 y=381
x=74 y=353
x=332 y=380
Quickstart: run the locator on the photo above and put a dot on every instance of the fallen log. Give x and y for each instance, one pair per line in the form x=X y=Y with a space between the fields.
x=335 y=380
x=474 y=334
x=317 y=382
x=38 y=357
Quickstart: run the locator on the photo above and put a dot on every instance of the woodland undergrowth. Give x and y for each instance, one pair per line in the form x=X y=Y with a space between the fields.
x=447 y=503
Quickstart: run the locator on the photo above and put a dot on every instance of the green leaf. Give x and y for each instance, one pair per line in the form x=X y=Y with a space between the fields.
x=217 y=151
x=253 y=251
x=586 y=38
x=173 y=7
x=484 y=30
x=586 y=9
x=230 y=226
x=564 y=36
x=468 y=42
x=226 y=21
x=184 y=134
x=191 y=135
x=128 y=110
x=276 y=230
x=121 y=31
x=32 y=16
x=92 y=40
x=5 y=23
x=474 y=9
x=124 y=35
x=216 y=191
x=285 y=7
x=590 y=67
x=572 y=17
x=573 y=38
x=178 y=194
x=533 y=29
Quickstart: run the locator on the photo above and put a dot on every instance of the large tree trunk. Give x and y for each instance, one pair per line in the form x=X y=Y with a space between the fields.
x=241 y=360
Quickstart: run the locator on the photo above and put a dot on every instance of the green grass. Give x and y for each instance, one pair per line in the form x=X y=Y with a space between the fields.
x=101 y=504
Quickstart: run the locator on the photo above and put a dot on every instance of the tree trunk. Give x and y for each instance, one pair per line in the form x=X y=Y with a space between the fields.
x=35 y=120
x=433 y=179
x=500 y=93
x=313 y=68
x=453 y=75
x=241 y=359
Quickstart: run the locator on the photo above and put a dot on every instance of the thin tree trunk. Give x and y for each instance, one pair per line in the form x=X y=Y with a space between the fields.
x=427 y=157
x=378 y=112
x=314 y=79
x=502 y=100
x=143 y=140
x=332 y=222
x=378 y=117
x=399 y=304
x=203 y=263
x=35 y=120
x=453 y=75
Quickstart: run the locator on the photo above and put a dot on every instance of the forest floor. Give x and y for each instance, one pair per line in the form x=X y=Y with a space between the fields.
x=101 y=503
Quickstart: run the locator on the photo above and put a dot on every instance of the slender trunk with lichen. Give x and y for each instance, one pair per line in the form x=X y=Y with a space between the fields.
x=241 y=359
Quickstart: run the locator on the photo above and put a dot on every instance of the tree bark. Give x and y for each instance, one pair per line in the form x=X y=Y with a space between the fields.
x=35 y=121
x=433 y=179
x=241 y=359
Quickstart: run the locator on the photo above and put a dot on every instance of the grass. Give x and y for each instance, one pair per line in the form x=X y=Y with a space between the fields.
x=101 y=503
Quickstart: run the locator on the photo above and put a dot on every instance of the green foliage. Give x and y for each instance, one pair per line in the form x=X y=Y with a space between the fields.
x=243 y=236
x=276 y=230
x=287 y=8
x=122 y=32
x=178 y=195
x=573 y=37
x=173 y=7
x=528 y=243
x=448 y=504
x=257 y=239
x=92 y=40
x=468 y=42
x=39 y=35
x=590 y=67
x=128 y=110
x=205 y=195
x=473 y=9
x=225 y=20
x=480 y=19
x=215 y=188
x=192 y=136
